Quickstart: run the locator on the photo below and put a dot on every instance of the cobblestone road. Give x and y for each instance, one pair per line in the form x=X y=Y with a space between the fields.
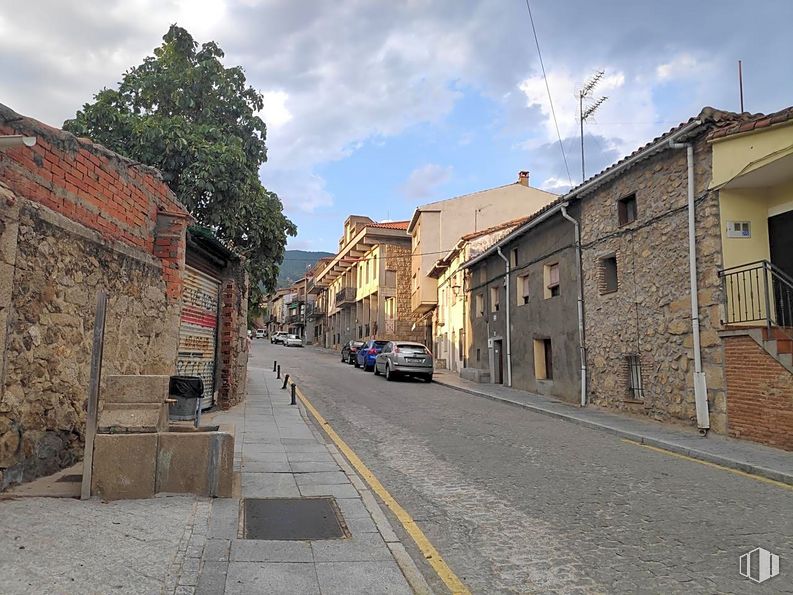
x=517 y=502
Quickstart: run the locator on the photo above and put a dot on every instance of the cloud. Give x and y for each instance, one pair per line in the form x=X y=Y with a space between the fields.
x=424 y=181
x=682 y=66
x=275 y=112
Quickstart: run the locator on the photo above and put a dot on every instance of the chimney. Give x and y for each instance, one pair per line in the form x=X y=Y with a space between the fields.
x=523 y=178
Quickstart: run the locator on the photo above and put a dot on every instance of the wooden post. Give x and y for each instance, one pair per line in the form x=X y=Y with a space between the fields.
x=93 y=393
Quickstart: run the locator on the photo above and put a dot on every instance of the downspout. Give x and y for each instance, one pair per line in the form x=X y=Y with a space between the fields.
x=509 y=321
x=700 y=385
x=581 y=341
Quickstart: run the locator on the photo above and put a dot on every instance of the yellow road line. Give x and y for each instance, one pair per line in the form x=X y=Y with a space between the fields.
x=427 y=549
x=773 y=482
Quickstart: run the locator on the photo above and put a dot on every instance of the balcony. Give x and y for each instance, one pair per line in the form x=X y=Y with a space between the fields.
x=345 y=296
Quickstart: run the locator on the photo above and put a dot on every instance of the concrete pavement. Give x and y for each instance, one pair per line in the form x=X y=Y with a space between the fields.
x=742 y=455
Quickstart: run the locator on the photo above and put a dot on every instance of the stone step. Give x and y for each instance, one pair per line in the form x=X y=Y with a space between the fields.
x=132 y=418
x=136 y=389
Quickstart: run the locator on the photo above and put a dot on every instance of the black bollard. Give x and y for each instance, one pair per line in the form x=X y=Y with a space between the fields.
x=286 y=379
x=278 y=373
x=274 y=364
x=293 y=402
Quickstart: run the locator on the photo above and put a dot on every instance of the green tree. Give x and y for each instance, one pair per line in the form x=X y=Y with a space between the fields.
x=184 y=113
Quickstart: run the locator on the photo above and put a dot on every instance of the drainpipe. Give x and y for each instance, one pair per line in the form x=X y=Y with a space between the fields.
x=509 y=321
x=700 y=386
x=581 y=342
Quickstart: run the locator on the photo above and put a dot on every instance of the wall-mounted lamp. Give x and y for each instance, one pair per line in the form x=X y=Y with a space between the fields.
x=16 y=140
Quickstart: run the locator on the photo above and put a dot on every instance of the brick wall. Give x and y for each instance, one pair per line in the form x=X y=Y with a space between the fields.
x=76 y=218
x=759 y=394
x=233 y=338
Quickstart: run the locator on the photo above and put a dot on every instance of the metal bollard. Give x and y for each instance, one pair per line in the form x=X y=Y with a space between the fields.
x=275 y=361
x=286 y=379
x=278 y=373
x=293 y=402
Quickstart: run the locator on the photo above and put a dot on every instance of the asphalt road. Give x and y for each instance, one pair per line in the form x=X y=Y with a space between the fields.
x=518 y=502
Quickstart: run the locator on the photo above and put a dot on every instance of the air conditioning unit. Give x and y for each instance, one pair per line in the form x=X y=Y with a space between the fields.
x=739 y=229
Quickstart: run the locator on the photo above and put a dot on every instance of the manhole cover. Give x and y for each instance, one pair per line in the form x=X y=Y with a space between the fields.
x=71 y=478
x=292 y=518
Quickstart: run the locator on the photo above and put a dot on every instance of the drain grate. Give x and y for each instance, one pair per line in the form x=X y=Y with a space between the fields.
x=292 y=519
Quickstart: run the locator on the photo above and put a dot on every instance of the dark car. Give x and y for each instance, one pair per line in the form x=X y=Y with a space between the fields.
x=349 y=351
x=366 y=354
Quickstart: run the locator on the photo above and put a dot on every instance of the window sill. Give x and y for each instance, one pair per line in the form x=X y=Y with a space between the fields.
x=609 y=292
x=633 y=402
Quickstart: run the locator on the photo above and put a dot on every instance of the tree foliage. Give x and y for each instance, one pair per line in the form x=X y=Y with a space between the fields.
x=184 y=113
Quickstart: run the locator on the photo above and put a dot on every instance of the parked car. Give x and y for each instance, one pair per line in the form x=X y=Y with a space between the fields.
x=260 y=333
x=367 y=354
x=349 y=351
x=278 y=337
x=292 y=341
x=400 y=358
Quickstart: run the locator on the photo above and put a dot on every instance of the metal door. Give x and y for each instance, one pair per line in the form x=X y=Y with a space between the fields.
x=198 y=331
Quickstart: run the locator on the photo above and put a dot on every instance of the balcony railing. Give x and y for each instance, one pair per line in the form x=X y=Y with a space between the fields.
x=758 y=292
x=345 y=296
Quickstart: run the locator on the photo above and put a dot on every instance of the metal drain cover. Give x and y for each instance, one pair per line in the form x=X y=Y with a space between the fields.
x=292 y=519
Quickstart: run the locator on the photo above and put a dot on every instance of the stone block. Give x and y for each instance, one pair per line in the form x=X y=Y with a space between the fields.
x=124 y=466
x=127 y=418
x=198 y=462
x=136 y=389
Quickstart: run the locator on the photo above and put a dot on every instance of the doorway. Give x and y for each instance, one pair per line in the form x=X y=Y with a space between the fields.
x=498 y=362
x=780 y=240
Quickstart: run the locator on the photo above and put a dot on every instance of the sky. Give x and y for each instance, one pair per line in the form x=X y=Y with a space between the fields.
x=375 y=107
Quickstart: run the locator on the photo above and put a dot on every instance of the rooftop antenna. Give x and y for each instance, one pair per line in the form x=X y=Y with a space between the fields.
x=740 y=82
x=584 y=113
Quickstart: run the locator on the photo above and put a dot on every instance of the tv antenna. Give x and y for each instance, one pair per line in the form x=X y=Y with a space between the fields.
x=586 y=112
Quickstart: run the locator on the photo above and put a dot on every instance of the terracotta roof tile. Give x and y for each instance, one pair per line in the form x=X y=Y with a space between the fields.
x=749 y=122
x=403 y=225
x=494 y=228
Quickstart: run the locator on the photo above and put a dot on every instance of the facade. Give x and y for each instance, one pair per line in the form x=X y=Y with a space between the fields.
x=436 y=227
x=541 y=353
x=365 y=288
x=451 y=329
x=277 y=310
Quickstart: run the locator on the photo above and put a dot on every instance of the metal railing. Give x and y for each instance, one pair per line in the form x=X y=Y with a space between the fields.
x=758 y=292
x=345 y=295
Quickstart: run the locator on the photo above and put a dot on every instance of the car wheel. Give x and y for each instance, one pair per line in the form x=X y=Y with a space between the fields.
x=355 y=362
x=389 y=375
x=376 y=371
x=428 y=378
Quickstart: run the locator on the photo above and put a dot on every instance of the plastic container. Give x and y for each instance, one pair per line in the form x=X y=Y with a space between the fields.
x=187 y=390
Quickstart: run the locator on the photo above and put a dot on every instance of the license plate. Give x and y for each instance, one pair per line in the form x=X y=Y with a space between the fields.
x=415 y=359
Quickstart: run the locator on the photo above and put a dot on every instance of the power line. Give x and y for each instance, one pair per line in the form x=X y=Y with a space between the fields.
x=548 y=89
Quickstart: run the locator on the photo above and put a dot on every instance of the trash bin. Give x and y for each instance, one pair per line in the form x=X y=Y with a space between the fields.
x=187 y=390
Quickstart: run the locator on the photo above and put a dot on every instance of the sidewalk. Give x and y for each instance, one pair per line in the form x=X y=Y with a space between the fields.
x=737 y=454
x=279 y=455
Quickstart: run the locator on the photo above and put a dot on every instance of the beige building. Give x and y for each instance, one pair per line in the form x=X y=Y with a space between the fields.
x=365 y=289
x=451 y=332
x=436 y=227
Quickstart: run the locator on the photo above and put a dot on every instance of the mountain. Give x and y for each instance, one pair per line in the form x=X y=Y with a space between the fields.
x=295 y=263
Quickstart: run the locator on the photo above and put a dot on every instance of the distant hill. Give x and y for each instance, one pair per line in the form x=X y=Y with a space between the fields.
x=295 y=263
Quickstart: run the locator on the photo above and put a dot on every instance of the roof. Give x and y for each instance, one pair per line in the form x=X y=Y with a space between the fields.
x=403 y=225
x=204 y=238
x=754 y=122
x=495 y=228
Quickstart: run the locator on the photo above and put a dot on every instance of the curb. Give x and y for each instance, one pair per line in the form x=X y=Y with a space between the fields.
x=752 y=469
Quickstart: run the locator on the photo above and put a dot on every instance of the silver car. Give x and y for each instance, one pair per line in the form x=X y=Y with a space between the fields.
x=403 y=358
x=293 y=341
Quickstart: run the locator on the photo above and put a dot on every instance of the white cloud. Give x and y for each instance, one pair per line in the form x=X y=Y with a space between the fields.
x=425 y=180
x=299 y=190
x=682 y=66
x=275 y=112
x=555 y=185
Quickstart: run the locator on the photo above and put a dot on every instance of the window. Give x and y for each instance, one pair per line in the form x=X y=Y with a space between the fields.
x=478 y=354
x=483 y=274
x=633 y=365
x=494 y=297
x=523 y=289
x=390 y=308
x=626 y=208
x=608 y=274
x=551 y=278
x=543 y=359
x=480 y=305
x=514 y=258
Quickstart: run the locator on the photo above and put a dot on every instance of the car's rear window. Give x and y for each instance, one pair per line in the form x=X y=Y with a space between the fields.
x=412 y=348
x=380 y=343
x=357 y=343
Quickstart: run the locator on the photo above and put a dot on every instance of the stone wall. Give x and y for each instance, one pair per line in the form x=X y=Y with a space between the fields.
x=397 y=257
x=233 y=337
x=76 y=218
x=649 y=315
x=760 y=394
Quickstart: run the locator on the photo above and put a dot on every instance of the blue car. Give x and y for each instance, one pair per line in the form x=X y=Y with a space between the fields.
x=367 y=353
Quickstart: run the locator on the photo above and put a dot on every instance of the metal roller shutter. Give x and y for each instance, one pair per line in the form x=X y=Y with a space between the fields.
x=198 y=330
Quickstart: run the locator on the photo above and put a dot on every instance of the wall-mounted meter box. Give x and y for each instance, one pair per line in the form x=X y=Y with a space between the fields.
x=739 y=229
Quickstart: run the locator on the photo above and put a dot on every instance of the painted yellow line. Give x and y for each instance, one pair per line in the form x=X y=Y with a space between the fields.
x=773 y=482
x=429 y=552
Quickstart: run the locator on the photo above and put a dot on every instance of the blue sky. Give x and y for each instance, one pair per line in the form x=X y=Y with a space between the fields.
x=376 y=107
